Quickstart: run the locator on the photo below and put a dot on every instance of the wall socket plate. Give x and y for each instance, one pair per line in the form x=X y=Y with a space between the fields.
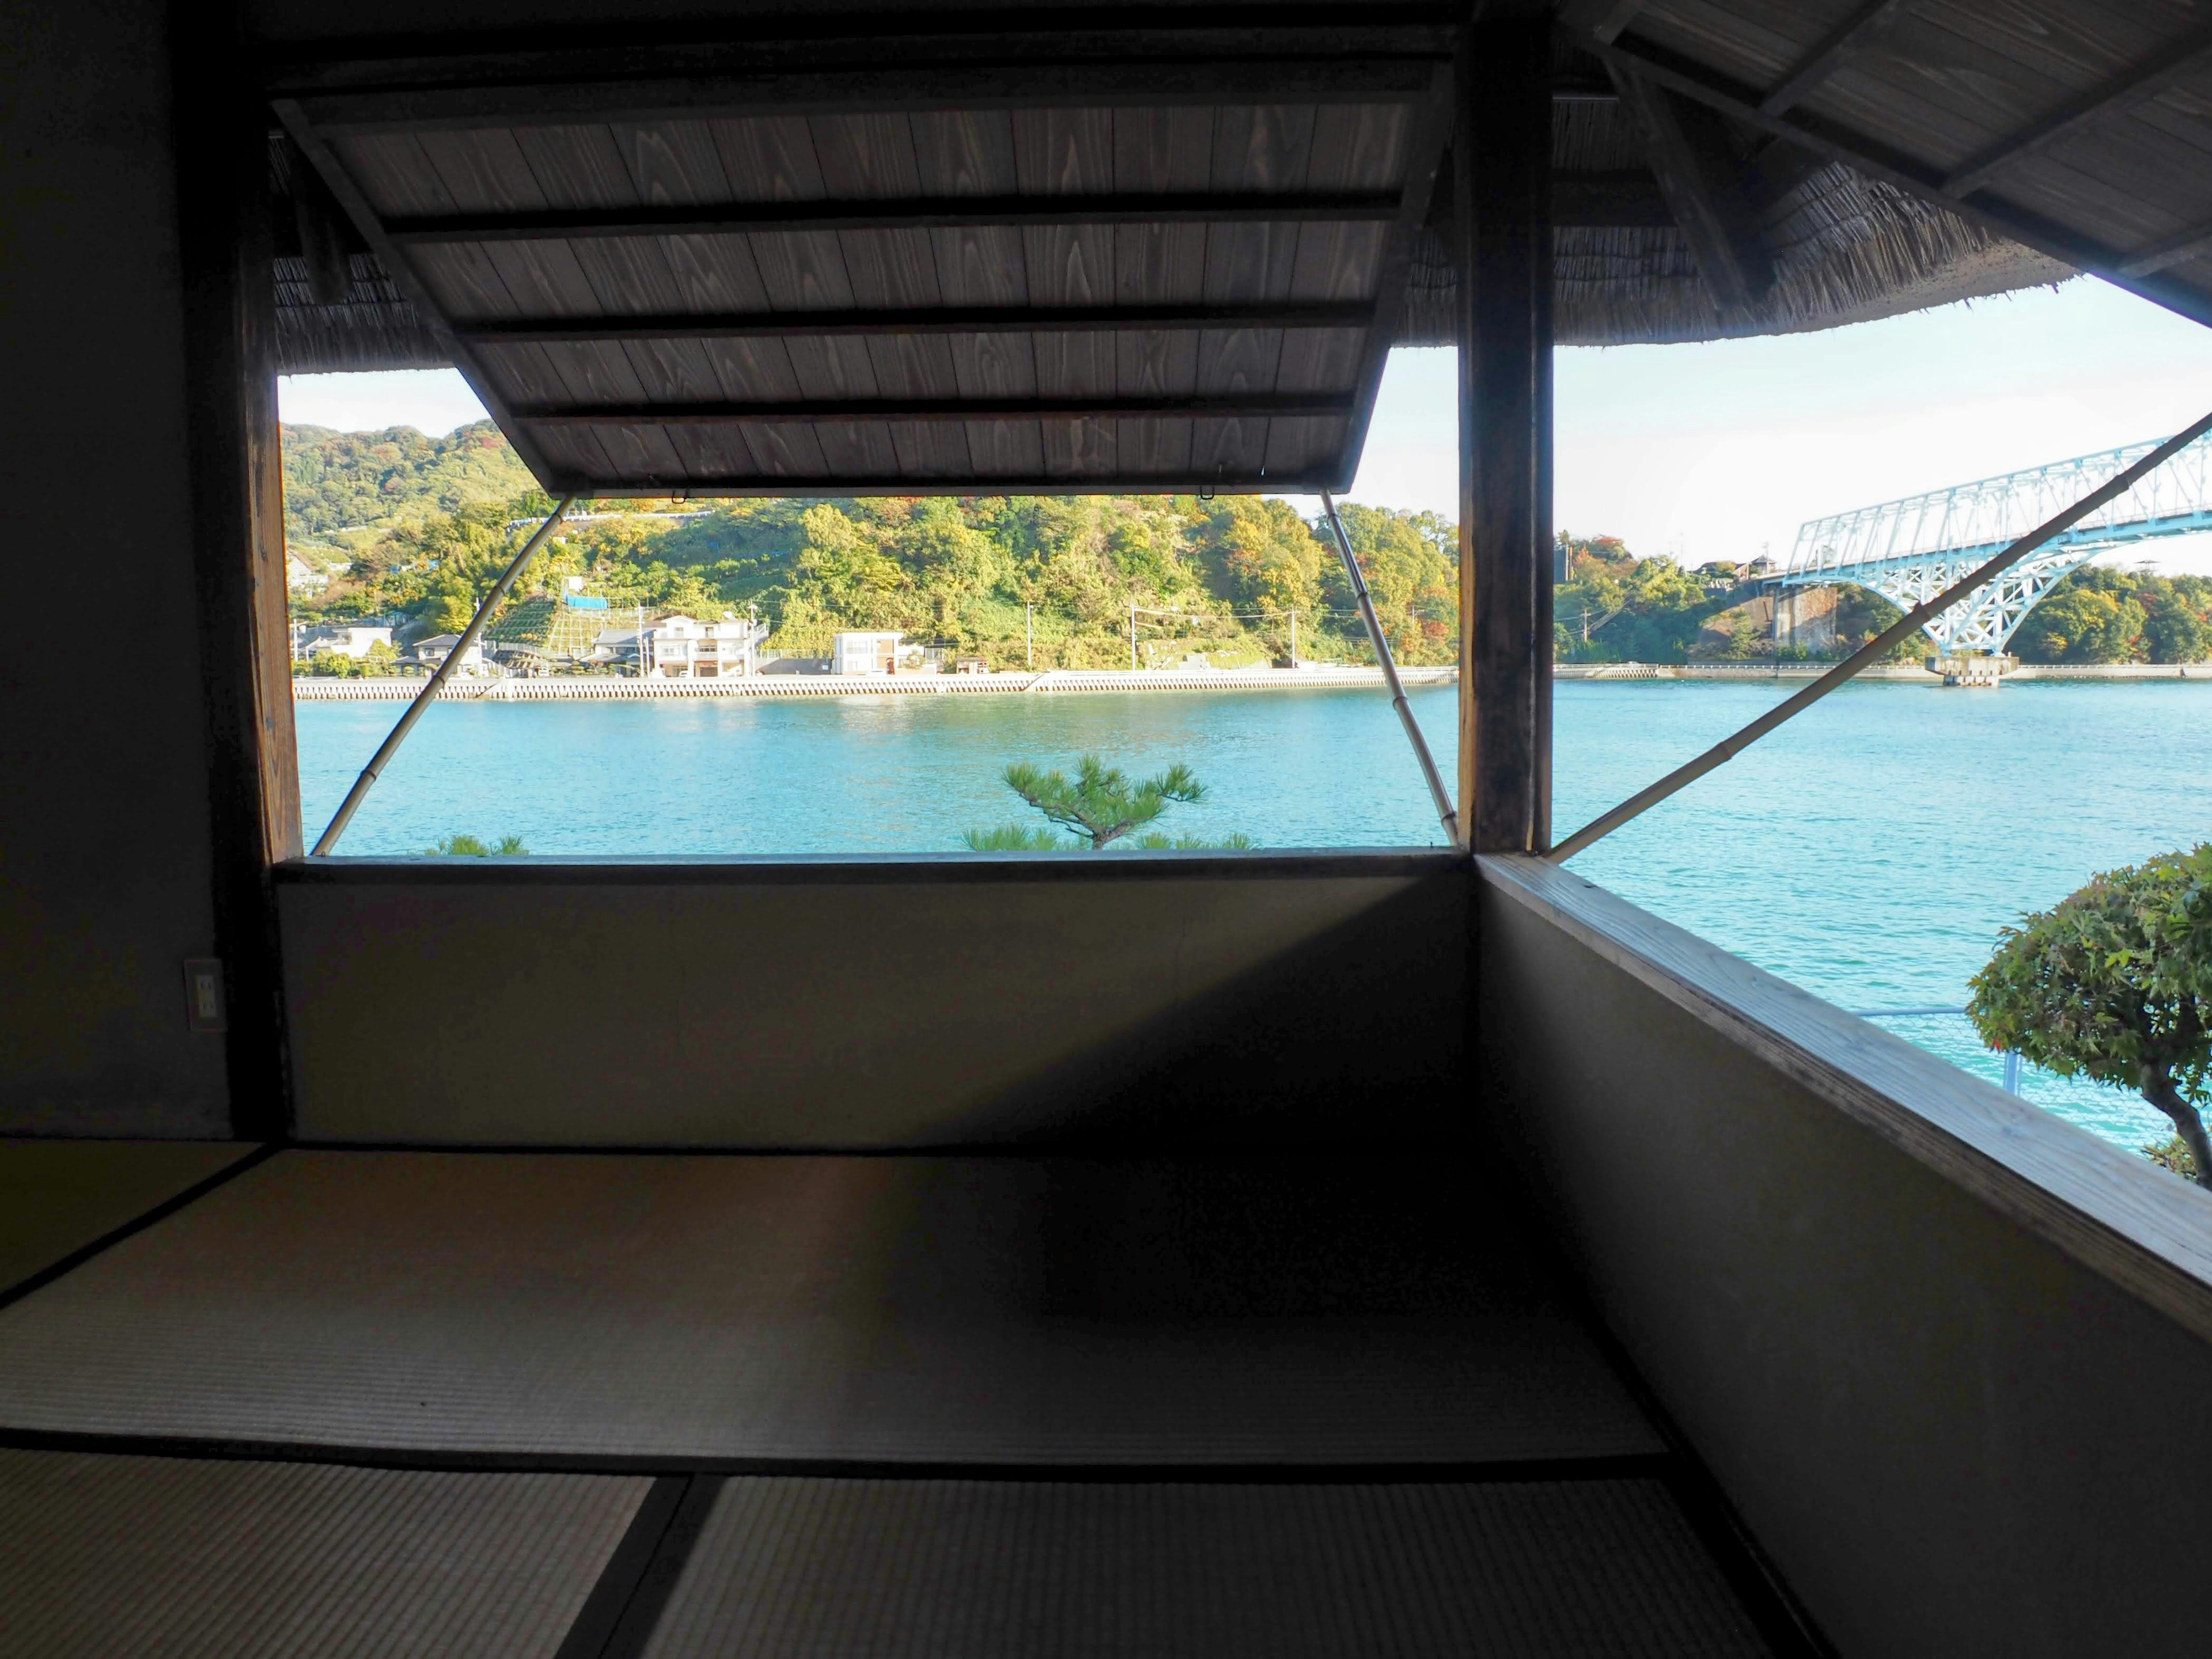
x=205 y=1009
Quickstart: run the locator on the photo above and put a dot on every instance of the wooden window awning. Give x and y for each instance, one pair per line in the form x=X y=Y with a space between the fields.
x=1150 y=272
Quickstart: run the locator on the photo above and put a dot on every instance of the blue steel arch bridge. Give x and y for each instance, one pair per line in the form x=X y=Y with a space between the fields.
x=1910 y=550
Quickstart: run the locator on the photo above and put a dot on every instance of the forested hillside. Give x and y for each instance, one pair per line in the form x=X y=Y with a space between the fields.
x=426 y=523
x=1052 y=581
x=338 y=480
x=1614 y=607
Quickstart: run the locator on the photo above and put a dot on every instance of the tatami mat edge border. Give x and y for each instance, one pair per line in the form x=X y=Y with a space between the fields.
x=1615 y=1466
x=138 y=1223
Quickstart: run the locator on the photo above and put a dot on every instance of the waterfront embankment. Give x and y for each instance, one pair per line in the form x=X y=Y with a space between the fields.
x=1902 y=673
x=609 y=688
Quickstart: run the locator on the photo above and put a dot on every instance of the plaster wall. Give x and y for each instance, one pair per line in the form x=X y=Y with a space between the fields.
x=1950 y=1436
x=105 y=872
x=836 y=1007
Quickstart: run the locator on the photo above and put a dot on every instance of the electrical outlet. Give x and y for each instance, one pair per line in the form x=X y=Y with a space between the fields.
x=203 y=1001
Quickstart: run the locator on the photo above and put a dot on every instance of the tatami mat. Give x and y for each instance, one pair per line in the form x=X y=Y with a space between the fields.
x=58 y=1196
x=913 y=1309
x=806 y=1569
x=109 y=1558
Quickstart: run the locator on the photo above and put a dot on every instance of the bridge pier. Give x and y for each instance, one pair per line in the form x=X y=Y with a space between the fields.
x=1978 y=670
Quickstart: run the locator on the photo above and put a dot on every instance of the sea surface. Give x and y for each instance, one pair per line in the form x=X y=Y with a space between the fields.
x=1868 y=851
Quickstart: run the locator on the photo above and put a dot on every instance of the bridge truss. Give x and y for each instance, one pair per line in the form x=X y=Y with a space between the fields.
x=1910 y=550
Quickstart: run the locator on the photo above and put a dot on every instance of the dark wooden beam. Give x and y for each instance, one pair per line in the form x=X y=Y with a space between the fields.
x=1426 y=147
x=933 y=320
x=238 y=497
x=953 y=212
x=791 y=486
x=1619 y=15
x=1605 y=19
x=2169 y=250
x=2143 y=81
x=1862 y=30
x=836 y=40
x=882 y=90
x=1583 y=89
x=1910 y=174
x=1705 y=187
x=1601 y=200
x=826 y=413
x=1778 y=168
x=1504 y=217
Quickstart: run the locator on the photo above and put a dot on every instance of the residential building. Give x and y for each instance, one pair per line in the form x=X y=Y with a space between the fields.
x=433 y=651
x=613 y=645
x=865 y=653
x=680 y=648
x=341 y=639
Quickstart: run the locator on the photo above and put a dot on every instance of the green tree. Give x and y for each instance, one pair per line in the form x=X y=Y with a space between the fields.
x=1015 y=838
x=2173 y=633
x=1413 y=578
x=2114 y=983
x=2083 y=624
x=1267 y=556
x=2173 y=1154
x=1100 y=803
x=1861 y=613
x=468 y=847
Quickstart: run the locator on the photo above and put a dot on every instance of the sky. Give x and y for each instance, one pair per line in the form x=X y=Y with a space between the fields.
x=1717 y=451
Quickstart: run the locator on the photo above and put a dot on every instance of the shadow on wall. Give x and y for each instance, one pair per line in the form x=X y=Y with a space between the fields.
x=1162 y=1008
x=1355 y=1036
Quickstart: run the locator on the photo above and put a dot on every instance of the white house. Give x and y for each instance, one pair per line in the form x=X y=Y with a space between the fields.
x=865 y=654
x=341 y=639
x=431 y=651
x=681 y=648
x=300 y=576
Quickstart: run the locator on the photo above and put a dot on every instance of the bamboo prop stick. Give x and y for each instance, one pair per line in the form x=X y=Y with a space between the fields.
x=424 y=698
x=1729 y=748
x=1436 y=790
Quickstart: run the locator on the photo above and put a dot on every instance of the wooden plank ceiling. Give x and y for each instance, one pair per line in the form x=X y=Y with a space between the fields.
x=981 y=272
x=2081 y=129
x=925 y=253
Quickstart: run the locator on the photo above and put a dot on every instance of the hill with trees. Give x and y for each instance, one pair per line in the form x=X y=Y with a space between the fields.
x=2099 y=614
x=336 y=481
x=1052 y=581
x=425 y=522
x=1614 y=607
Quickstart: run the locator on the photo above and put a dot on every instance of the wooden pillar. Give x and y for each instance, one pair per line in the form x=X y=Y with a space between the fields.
x=1502 y=170
x=238 y=498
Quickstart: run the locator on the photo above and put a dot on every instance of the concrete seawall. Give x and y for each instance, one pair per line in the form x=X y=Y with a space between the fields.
x=596 y=688
x=1903 y=674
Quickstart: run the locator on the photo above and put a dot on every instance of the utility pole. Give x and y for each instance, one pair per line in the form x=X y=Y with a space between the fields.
x=1028 y=635
x=1132 y=639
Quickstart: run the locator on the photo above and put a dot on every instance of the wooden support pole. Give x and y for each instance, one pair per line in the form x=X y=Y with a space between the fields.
x=238 y=497
x=1503 y=174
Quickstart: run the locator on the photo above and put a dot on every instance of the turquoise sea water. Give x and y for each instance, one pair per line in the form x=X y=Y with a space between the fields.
x=1868 y=851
